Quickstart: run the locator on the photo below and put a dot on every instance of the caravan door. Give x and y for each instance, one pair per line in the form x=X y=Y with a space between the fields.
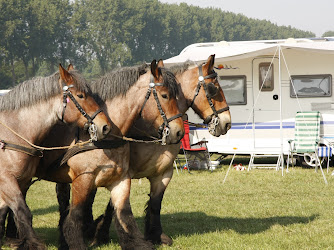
x=266 y=102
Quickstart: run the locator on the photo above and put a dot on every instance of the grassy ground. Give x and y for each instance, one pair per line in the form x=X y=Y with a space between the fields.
x=259 y=209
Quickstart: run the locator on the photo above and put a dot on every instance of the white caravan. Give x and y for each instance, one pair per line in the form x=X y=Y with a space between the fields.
x=265 y=84
x=3 y=91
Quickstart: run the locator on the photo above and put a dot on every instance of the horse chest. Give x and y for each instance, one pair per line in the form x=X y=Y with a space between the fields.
x=155 y=163
x=108 y=174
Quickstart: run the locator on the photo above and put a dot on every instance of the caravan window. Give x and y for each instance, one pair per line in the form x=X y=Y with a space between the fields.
x=266 y=76
x=234 y=88
x=311 y=86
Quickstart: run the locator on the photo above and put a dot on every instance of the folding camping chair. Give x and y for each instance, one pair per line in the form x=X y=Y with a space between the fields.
x=326 y=151
x=307 y=137
x=196 y=155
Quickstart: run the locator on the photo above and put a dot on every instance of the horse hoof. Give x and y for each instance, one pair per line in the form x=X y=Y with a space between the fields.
x=166 y=240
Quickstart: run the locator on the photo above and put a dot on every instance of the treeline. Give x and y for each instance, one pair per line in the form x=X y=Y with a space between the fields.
x=96 y=36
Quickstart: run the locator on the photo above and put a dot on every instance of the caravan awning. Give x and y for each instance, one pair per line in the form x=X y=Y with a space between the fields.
x=240 y=50
x=323 y=47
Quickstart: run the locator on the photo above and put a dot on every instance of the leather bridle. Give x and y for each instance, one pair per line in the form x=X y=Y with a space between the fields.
x=206 y=86
x=89 y=125
x=163 y=130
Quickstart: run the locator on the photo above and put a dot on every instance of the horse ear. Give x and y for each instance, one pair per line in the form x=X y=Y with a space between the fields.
x=209 y=63
x=161 y=63
x=65 y=76
x=154 y=69
x=70 y=67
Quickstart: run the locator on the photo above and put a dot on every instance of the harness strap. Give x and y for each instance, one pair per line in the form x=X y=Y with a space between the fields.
x=162 y=113
x=96 y=113
x=102 y=144
x=148 y=93
x=174 y=117
x=150 y=90
x=208 y=119
x=19 y=148
x=199 y=85
x=82 y=111
x=67 y=93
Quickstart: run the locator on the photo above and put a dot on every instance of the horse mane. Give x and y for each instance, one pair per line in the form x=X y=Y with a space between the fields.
x=181 y=67
x=118 y=82
x=170 y=81
x=37 y=90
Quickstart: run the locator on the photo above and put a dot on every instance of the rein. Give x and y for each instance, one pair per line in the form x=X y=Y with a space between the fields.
x=34 y=150
x=164 y=128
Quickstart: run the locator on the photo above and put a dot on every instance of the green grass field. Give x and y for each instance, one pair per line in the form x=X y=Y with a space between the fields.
x=259 y=209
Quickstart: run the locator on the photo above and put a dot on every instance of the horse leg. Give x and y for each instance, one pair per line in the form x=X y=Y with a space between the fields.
x=153 y=228
x=63 y=197
x=10 y=230
x=73 y=223
x=102 y=226
x=89 y=224
x=13 y=197
x=3 y=215
x=127 y=230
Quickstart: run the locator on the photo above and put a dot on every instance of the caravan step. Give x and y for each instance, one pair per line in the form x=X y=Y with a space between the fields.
x=268 y=165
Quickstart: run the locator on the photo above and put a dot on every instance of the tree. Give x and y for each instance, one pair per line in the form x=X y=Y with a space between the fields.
x=328 y=33
x=104 y=31
x=13 y=32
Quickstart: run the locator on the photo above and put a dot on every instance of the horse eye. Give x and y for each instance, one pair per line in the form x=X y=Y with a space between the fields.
x=165 y=96
x=80 y=96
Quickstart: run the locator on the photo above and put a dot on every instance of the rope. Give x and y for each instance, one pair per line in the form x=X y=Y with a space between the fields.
x=136 y=140
x=258 y=95
x=197 y=125
x=78 y=143
x=290 y=79
x=39 y=147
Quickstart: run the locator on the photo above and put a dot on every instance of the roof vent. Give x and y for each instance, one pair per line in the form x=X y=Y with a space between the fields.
x=290 y=40
x=223 y=43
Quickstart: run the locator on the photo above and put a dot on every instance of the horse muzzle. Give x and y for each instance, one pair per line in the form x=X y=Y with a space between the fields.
x=171 y=135
x=218 y=126
x=97 y=132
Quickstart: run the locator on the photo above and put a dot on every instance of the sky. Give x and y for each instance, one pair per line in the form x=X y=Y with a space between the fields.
x=315 y=16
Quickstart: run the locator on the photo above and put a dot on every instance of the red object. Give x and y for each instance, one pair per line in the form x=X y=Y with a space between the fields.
x=186 y=140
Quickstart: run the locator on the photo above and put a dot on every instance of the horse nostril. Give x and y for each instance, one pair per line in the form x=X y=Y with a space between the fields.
x=228 y=126
x=105 y=129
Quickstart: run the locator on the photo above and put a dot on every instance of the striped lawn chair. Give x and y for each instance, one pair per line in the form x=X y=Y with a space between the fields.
x=324 y=151
x=307 y=137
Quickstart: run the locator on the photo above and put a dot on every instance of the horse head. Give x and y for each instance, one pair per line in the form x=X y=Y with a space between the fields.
x=166 y=117
x=79 y=106
x=204 y=95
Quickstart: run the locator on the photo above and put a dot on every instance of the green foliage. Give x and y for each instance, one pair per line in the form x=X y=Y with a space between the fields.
x=5 y=79
x=43 y=33
x=328 y=33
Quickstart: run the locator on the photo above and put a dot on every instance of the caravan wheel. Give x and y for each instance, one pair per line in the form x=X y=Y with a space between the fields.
x=310 y=159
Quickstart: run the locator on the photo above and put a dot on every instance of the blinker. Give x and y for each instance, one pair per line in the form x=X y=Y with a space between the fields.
x=212 y=90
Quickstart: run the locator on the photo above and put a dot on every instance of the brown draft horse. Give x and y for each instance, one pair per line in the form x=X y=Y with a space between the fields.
x=126 y=94
x=31 y=109
x=198 y=89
